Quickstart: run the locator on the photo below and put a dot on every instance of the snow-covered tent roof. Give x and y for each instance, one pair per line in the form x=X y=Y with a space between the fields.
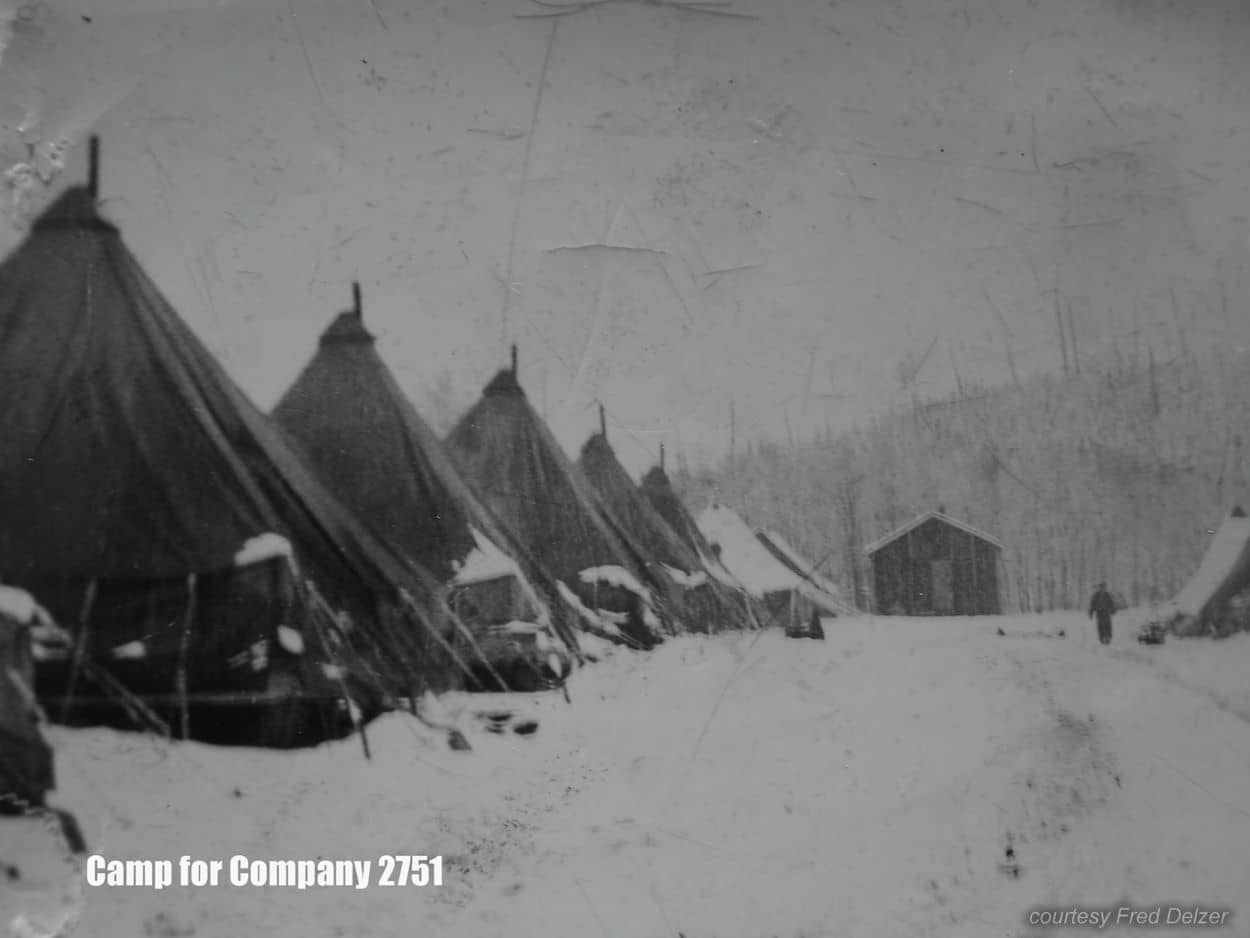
x=1224 y=570
x=928 y=516
x=785 y=552
x=752 y=563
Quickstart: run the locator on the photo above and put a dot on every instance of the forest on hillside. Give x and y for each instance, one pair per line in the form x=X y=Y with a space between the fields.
x=1120 y=472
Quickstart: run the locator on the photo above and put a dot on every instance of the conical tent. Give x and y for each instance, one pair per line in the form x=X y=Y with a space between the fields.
x=1203 y=604
x=361 y=433
x=657 y=488
x=701 y=601
x=515 y=464
x=149 y=505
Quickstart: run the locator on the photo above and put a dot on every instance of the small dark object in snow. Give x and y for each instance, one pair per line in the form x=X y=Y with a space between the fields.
x=501 y=716
x=1000 y=631
x=456 y=740
x=1151 y=634
x=1117 y=782
x=70 y=830
x=238 y=793
x=526 y=728
x=12 y=872
x=1063 y=633
x=162 y=926
x=814 y=628
x=496 y=728
x=1010 y=867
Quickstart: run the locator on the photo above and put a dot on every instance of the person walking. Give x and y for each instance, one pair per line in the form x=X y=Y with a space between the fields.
x=1102 y=605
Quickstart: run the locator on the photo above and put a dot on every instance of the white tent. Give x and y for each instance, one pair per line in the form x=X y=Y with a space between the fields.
x=804 y=569
x=762 y=574
x=1223 y=572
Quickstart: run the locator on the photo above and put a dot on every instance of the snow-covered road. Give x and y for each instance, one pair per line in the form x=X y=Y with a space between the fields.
x=744 y=785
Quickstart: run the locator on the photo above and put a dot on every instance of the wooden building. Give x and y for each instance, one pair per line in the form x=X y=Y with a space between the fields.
x=936 y=566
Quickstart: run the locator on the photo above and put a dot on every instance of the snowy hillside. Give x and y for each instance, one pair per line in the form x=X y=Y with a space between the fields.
x=1120 y=473
x=742 y=785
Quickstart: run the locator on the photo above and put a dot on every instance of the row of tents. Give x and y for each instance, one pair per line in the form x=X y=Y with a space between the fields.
x=197 y=562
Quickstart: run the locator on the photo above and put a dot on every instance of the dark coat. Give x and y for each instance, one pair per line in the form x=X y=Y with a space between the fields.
x=1101 y=604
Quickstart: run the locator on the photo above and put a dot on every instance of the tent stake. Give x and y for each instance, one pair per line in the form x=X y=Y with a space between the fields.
x=80 y=647
x=319 y=605
x=93 y=166
x=184 y=647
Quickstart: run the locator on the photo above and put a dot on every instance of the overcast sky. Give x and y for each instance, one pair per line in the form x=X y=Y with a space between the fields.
x=882 y=175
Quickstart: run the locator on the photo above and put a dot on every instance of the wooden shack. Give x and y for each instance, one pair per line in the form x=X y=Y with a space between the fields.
x=935 y=565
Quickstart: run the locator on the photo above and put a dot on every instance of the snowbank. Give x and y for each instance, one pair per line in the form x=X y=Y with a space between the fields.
x=485 y=562
x=130 y=651
x=682 y=578
x=263 y=547
x=734 y=785
x=20 y=606
x=613 y=576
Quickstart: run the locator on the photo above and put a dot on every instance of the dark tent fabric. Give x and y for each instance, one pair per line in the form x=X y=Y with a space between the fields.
x=358 y=429
x=130 y=456
x=613 y=485
x=657 y=488
x=26 y=773
x=704 y=607
x=515 y=464
x=374 y=452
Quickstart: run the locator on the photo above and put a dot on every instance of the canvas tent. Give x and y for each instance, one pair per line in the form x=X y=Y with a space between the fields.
x=518 y=468
x=702 y=602
x=781 y=549
x=26 y=774
x=165 y=523
x=361 y=433
x=1203 y=606
x=657 y=488
x=789 y=599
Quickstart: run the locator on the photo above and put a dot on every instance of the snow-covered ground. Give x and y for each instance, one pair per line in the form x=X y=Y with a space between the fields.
x=737 y=785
